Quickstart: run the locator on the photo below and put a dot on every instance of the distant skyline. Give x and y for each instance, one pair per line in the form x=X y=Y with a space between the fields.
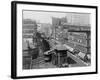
x=42 y=17
x=46 y=17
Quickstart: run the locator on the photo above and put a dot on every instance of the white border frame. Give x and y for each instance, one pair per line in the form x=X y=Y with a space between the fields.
x=36 y=72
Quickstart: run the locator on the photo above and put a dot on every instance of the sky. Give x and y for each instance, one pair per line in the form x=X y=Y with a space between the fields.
x=42 y=17
x=46 y=17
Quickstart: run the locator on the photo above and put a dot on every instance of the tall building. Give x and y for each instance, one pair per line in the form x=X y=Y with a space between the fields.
x=79 y=37
x=57 y=26
x=29 y=27
x=81 y=19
